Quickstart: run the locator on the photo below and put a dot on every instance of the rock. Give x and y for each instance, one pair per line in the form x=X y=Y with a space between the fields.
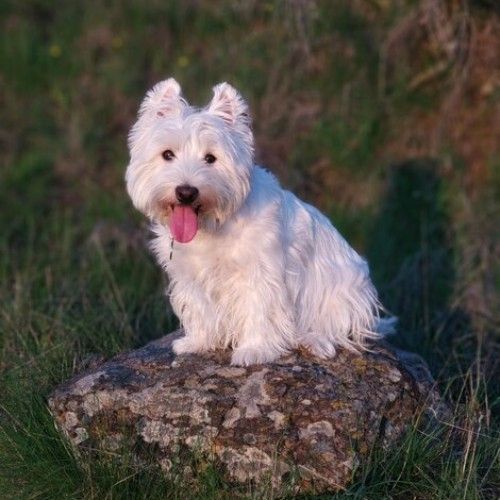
x=301 y=419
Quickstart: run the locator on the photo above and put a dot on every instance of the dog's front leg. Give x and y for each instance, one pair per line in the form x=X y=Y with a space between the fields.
x=197 y=318
x=265 y=322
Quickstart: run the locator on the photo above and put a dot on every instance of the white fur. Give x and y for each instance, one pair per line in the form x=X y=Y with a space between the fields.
x=265 y=272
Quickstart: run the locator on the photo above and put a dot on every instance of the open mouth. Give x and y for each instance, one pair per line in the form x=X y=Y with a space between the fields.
x=184 y=222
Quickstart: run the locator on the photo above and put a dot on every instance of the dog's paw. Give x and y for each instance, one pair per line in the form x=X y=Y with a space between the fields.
x=320 y=347
x=245 y=356
x=186 y=345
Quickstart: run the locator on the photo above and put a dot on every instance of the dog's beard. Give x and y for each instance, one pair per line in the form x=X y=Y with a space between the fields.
x=184 y=221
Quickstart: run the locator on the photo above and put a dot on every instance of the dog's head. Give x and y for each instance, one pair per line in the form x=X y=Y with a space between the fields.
x=190 y=168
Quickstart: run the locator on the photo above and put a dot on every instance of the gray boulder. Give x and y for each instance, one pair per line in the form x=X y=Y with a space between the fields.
x=299 y=421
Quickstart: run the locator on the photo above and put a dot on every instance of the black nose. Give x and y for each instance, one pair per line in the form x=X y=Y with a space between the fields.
x=186 y=194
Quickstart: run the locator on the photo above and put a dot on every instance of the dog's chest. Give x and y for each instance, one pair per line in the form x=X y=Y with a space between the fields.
x=215 y=264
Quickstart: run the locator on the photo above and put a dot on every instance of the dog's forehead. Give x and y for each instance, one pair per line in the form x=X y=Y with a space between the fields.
x=200 y=120
x=196 y=126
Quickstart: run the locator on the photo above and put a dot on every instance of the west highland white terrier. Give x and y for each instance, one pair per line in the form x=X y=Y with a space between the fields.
x=250 y=266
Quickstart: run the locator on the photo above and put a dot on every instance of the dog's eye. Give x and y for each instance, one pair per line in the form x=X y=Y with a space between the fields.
x=168 y=155
x=210 y=158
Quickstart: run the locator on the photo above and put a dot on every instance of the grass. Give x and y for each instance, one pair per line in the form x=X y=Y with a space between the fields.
x=76 y=281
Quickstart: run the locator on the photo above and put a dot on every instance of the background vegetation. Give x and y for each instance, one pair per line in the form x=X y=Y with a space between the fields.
x=385 y=114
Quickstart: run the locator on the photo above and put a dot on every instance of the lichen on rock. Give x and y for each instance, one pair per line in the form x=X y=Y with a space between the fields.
x=303 y=416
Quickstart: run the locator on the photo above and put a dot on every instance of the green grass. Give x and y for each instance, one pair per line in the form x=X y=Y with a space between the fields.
x=76 y=281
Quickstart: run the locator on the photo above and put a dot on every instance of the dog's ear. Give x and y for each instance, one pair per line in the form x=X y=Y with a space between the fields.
x=163 y=100
x=230 y=106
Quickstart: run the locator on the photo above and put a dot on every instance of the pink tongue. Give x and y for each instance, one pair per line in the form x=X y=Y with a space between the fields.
x=183 y=223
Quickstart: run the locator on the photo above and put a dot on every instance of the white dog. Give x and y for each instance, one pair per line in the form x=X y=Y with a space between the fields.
x=250 y=266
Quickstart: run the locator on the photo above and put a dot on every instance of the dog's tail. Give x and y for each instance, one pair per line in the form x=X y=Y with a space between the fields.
x=387 y=326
